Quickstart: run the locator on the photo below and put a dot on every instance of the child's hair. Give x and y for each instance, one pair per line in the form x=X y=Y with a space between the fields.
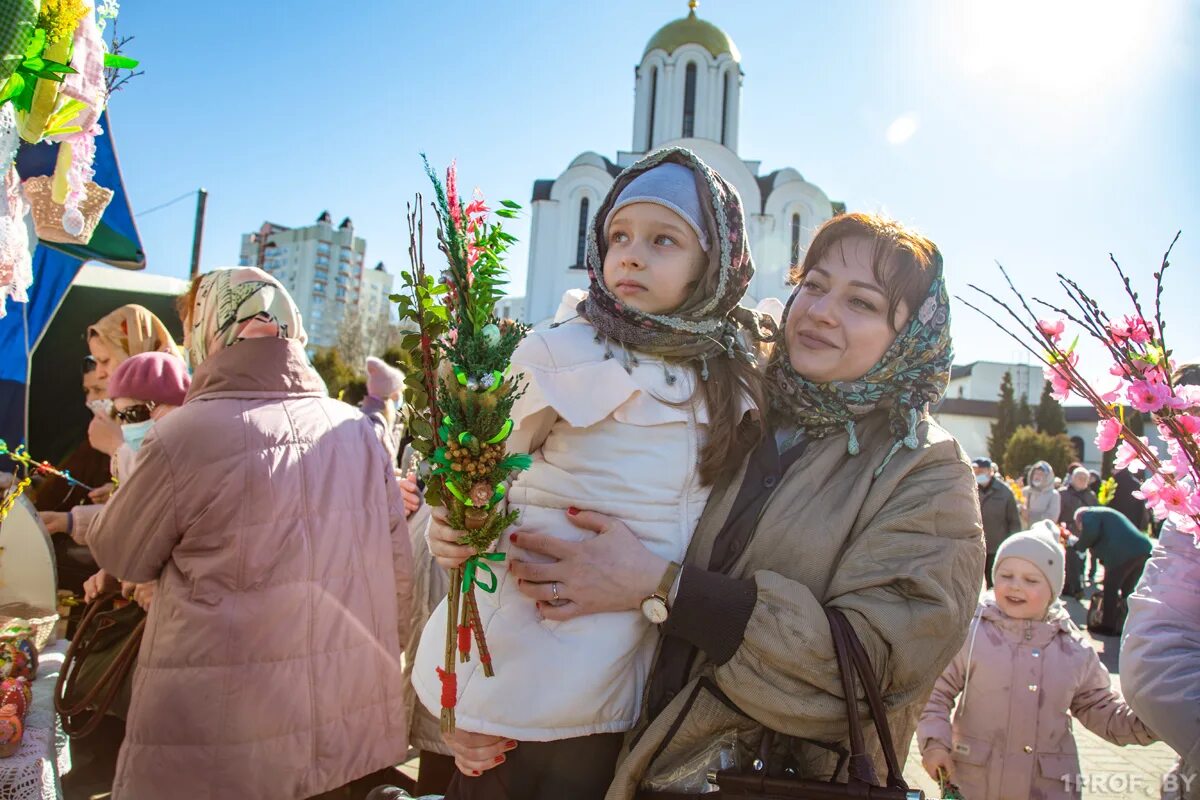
x=730 y=439
x=910 y=255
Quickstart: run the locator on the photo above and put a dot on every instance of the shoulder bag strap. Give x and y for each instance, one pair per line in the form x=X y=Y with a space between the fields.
x=862 y=665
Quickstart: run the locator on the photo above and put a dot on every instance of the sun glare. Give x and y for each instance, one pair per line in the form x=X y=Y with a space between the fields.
x=1059 y=47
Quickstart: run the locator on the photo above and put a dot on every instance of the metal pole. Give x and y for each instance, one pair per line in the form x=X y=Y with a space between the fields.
x=198 y=236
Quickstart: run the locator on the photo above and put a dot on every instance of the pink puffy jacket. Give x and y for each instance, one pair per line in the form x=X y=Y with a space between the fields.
x=271 y=519
x=1020 y=683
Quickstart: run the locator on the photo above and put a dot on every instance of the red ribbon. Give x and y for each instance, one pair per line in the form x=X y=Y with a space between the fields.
x=449 y=688
x=464 y=639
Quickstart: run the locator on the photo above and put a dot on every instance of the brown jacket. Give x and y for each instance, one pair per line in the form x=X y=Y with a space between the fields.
x=901 y=555
x=269 y=515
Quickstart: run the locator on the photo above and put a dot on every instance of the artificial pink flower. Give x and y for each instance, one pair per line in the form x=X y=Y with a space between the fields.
x=1178 y=500
x=1189 y=422
x=1148 y=396
x=1108 y=433
x=1149 y=492
x=1112 y=390
x=1060 y=378
x=1140 y=331
x=1052 y=330
x=1189 y=395
x=1128 y=458
x=1120 y=370
x=1134 y=329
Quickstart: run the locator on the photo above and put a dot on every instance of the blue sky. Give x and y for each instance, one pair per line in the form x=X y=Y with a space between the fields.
x=1042 y=135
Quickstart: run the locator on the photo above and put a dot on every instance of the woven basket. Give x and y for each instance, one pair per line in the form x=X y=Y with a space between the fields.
x=41 y=620
x=47 y=214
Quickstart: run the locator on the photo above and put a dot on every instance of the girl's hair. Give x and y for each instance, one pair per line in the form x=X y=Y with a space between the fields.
x=187 y=301
x=902 y=263
x=730 y=439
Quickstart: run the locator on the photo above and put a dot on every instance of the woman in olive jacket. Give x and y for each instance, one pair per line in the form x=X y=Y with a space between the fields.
x=855 y=498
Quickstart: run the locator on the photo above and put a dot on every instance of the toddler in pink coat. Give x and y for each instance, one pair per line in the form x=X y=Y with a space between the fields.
x=1023 y=673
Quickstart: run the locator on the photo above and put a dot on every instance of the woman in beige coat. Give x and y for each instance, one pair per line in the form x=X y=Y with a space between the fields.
x=856 y=499
x=269 y=515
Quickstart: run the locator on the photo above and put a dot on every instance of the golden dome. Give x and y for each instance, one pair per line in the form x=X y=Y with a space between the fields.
x=693 y=30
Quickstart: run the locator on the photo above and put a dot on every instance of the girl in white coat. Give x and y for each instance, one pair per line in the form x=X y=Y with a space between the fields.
x=621 y=393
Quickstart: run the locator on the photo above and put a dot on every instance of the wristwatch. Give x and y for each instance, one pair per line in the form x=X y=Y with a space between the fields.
x=654 y=607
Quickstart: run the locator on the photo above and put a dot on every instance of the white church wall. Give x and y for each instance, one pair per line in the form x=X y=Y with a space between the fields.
x=971 y=432
x=554 y=238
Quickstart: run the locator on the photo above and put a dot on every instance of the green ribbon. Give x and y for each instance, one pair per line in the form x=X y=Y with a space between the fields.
x=475 y=564
x=505 y=430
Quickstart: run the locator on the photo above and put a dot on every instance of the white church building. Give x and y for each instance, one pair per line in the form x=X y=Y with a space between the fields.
x=687 y=94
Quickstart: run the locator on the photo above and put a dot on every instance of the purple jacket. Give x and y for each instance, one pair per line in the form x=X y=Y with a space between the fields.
x=1160 y=653
x=1018 y=679
x=269 y=514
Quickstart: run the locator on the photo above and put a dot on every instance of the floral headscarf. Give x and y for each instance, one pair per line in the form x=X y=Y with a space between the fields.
x=236 y=303
x=708 y=322
x=913 y=373
x=132 y=330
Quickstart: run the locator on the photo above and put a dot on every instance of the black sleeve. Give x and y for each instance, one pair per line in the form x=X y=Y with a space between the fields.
x=711 y=611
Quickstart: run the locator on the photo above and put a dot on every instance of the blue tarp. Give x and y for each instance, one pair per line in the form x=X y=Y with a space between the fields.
x=115 y=242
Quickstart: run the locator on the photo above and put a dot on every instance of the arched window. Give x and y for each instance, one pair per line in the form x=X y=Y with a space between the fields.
x=1077 y=443
x=653 y=103
x=689 y=100
x=581 y=236
x=795 y=239
x=725 y=109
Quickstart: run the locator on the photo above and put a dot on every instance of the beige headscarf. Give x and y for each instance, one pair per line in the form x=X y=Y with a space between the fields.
x=236 y=303
x=132 y=330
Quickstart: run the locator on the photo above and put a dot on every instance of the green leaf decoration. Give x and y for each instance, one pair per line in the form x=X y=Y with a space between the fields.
x=116 y=61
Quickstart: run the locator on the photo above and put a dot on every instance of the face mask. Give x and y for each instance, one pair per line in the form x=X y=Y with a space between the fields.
x=135 y=432
x=983 y=480
x=102 y=408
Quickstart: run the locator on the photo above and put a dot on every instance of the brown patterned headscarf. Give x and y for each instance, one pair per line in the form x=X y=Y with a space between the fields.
x=710 y=321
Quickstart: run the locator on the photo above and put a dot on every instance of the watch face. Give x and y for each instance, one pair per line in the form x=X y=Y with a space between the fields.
x=655 y=610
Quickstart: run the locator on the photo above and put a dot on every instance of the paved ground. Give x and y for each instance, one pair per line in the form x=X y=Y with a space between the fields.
x=1111 y=772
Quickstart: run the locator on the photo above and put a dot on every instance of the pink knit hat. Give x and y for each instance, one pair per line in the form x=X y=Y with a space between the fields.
x=383 y=380
x=158 y=377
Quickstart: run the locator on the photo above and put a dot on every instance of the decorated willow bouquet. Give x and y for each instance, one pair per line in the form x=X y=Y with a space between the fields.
x=1142 y=376
x=461 y=398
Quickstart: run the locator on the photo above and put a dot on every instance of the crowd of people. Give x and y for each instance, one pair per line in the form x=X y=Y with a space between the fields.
x=708 y=483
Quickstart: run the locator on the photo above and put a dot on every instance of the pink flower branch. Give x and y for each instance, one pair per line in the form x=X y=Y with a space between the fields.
x=1143 y=369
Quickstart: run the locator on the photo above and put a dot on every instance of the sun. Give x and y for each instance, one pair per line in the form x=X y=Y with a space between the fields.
x=1059 y=47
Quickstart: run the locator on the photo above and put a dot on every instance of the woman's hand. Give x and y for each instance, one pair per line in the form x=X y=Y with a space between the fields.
x=55 y=521
x=610 y=572
x=475 y=753
x=410 y=492
x=937 y=759
x=104 y=434
x=101 y=494
x=443 y=541
x=97 y=585
x=143 y=594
